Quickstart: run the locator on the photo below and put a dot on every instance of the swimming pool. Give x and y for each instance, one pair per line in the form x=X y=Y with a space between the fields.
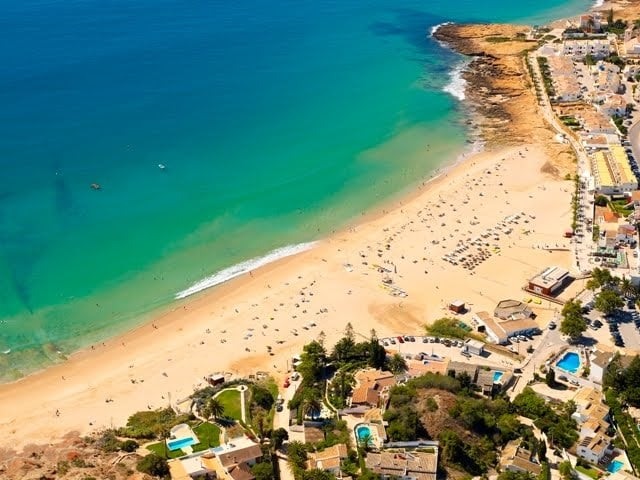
x=570 y=362
x=180 y=443
x=615 y=466
x=497 y=375
x=364 y=431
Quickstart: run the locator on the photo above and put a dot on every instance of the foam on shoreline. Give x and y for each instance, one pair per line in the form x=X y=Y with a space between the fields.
x=435 y=28
x=241 y=268
x=457 y=84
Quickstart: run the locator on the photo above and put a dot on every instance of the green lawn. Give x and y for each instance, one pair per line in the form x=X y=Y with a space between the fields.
x=590 y=472
x=209 y=436
x=230 y=400
x=207 y=433
x=158 y=449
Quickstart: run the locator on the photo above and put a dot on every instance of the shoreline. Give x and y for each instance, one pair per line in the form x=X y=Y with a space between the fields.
x=222 y=288
x=118 y=368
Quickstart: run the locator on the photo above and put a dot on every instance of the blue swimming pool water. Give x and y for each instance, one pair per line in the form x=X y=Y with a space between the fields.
x=570 y=362
x=362 y=431
x=497 y=376
x=615 y=466
x=180 y=443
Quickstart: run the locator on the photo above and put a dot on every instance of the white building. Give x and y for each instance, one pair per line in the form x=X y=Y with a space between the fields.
x=499 y=331
x=476 y=347
x=581 y=48
x=594 y=449
x=613 y=105
x=598 y=363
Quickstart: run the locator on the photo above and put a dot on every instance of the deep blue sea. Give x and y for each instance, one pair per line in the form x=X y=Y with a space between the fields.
x=276 y=121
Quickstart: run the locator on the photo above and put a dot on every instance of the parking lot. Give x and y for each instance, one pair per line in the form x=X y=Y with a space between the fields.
x=621 y=329
x=418 y=348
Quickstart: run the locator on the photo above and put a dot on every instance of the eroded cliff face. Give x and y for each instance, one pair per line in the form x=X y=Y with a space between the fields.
x=499 y=91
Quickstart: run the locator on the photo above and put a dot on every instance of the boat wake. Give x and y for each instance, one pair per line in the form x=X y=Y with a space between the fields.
x=244 y=267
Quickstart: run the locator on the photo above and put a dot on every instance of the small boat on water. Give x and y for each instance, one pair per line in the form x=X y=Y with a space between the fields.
x=96 y=186
x=162 y=166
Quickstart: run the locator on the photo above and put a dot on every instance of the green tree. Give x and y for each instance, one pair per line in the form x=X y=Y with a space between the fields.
x=259 y=420
x=129 y=446
x=601 y=277
x=627 y=289
x=297 y=453
x=397 y=364
x=212 y=408
x=364 y=442
x=263 y=471
x=311 y=406
x=542 y=451
x=511 y=475
x=343 y=350
x=278 y=437
x=509 y=427
x=377 y=353
x=367 y=474
x=550 y=378
x=262 y=397
x=601 y=201
x=342 y=384
x=452 y=446
x=317 y=474
x=312 y=362
x=608 y=301
x=154 y=465
x=529 y=404
x=566 y=470
x=573 y=324
x=610 y=17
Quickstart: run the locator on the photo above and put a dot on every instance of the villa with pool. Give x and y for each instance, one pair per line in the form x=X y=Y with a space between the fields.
x=230 y=461
x=595 y=442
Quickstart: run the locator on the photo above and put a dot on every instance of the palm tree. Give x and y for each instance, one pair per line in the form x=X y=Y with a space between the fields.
x=364 y=441
x=627 y=289
x=311 y=406
x=213 y=408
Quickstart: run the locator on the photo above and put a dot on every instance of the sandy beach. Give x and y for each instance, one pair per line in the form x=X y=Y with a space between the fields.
x=229 y=328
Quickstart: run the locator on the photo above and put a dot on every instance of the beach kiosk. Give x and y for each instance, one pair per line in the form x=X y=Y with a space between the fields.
x=457 y=306
x=215 y=379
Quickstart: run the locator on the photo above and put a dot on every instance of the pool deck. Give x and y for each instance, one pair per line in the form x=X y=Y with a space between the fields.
x=180 y=432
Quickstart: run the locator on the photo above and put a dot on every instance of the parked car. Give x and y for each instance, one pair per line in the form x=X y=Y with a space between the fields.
x=425 y=339
x=552 y=325
x=400 y=339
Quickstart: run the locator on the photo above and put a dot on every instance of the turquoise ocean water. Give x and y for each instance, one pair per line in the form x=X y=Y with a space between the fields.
x=276 y=121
